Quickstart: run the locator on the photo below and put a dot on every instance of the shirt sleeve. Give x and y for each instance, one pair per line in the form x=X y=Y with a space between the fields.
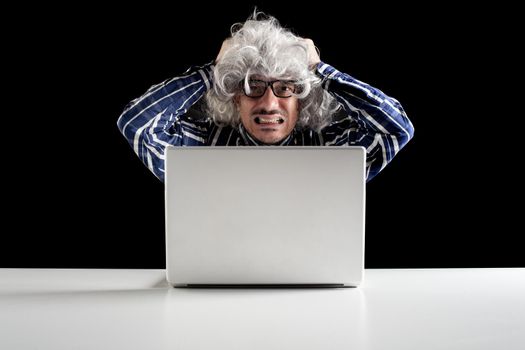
x=157 y=119
x=373 y=120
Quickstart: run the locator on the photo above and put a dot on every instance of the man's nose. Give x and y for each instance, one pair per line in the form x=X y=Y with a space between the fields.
x=269 y=100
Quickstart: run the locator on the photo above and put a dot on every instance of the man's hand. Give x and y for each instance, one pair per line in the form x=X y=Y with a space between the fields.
x=313 y=53
x=226 y=44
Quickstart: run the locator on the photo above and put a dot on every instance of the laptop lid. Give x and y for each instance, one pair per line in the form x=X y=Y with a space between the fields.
x=265 y=215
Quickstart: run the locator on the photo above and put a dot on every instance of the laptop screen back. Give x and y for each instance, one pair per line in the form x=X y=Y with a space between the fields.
x=265 y=215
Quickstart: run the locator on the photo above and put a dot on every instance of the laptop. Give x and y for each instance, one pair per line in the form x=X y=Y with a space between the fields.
x=259 y=216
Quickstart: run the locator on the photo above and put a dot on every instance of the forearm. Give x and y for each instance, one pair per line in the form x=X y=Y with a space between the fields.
x=152 y=121
x=380 y=123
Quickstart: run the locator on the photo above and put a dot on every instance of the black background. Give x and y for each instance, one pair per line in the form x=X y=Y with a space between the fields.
x=76 y=195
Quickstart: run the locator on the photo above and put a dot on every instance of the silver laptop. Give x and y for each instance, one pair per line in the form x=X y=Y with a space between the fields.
x=265 y=215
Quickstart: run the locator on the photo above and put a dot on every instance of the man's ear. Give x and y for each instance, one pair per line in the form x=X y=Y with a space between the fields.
x=236 y=100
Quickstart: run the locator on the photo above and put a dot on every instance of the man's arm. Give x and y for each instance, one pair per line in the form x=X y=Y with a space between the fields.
x=374 y=120
x=155 y=120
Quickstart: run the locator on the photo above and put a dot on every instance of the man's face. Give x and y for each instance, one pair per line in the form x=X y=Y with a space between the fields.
x=268 y=118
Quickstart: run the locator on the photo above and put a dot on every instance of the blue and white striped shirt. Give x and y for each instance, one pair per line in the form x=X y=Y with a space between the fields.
x=159 y=118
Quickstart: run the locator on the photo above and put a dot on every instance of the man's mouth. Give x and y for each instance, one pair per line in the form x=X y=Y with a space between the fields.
x=268 y=120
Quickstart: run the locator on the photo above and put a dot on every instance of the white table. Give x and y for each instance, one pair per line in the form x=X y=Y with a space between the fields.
x=135 y=309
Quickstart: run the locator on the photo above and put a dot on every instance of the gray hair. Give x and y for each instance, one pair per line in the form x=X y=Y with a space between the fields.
x=263 y=47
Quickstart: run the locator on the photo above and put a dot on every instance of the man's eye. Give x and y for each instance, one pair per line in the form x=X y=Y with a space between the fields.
x=286 y=88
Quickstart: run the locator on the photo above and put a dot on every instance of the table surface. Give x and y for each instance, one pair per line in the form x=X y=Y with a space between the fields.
x=136 y=309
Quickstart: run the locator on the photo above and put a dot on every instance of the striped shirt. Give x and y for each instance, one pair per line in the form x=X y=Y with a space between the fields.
x=159 y=118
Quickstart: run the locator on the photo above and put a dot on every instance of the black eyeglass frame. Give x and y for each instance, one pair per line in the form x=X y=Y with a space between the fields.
x=270 y=84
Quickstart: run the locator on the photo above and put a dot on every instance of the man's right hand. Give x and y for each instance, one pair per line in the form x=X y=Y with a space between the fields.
x=226 y=44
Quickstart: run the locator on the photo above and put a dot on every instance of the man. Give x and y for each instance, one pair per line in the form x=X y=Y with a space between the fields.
x=266 y=87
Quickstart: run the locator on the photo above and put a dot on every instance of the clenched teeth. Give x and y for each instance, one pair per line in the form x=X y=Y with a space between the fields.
x=269 y=120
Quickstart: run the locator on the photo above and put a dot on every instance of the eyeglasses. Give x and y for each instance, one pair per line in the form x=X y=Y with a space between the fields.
x=280 y=88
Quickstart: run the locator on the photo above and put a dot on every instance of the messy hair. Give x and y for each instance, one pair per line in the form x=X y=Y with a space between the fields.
x=261 y=46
